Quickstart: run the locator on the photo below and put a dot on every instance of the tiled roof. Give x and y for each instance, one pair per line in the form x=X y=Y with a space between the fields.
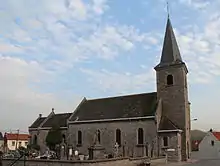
x=57 y=119
x=217 y=135
x=14 y=136
x=138 y=105
x=167 y=124
x=37 y=122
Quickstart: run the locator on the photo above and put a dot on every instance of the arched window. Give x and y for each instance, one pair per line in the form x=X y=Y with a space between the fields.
x=64 y=138
x=118 y=136
x=165 y=141
x=79 y=138
x=35 y=140
x=99 y=136
x=140 y=136
x=169 y=79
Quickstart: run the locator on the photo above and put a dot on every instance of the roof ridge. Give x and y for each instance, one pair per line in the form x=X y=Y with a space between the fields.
x=112 y=97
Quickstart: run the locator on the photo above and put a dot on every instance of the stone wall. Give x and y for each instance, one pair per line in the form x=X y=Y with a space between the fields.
x=105 y=162
x=175 y=100
x=41 y=137
x=174 y=142
x=108 y=136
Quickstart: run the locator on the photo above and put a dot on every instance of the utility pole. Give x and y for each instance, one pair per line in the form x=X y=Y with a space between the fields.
x=17 y=140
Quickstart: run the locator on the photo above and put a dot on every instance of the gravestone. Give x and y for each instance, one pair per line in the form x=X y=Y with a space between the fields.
x=96 y=151
x=116 y=149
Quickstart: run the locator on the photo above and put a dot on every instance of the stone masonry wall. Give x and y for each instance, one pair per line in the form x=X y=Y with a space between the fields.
x=175 y=100
x=174 y=142
x=108 y=136
x=41 y=137
x=106 y=162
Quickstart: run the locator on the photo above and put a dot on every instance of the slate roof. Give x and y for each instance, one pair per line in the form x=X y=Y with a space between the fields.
x=170 y=52
x=37 y=122
x=138 y=105
x=167 y=124
x=57 y=119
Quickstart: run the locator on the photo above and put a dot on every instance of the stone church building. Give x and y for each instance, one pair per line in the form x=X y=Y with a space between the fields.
x=147 y=124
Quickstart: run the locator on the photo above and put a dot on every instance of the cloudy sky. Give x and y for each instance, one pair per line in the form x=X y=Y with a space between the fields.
x=54 y=52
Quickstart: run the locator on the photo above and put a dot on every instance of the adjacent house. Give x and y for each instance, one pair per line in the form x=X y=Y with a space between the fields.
x=1 y=142
x=145 y=124
x=13 y=141
x=209 y=147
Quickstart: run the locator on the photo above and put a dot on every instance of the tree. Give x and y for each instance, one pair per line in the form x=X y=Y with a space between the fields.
x=54 y=137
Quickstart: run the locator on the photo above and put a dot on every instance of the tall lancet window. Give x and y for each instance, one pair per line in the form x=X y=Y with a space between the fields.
x=140 y=136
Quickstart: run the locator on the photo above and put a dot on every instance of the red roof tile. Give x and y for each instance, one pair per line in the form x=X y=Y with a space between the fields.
x=12 y=136
x=217 y=135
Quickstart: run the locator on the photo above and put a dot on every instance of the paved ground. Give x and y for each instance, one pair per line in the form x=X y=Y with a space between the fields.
x=207 y=162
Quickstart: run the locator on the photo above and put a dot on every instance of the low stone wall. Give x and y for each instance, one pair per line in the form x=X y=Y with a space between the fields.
x=103 y=162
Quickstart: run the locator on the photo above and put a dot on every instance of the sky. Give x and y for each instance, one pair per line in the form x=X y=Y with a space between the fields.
x=55 y=52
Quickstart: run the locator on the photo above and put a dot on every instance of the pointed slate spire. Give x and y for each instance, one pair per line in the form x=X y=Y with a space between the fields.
x=170 y=52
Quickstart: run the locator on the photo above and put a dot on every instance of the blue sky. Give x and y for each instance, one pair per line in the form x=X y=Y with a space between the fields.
x=54 y=52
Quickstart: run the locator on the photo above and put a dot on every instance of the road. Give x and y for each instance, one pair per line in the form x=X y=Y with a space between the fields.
x=207 y=162
x=202 y=162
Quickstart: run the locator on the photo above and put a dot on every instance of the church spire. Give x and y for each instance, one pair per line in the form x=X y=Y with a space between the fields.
x=170 y=52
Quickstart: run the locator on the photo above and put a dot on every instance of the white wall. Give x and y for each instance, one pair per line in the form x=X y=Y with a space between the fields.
x=12 y=144
x=206 y=150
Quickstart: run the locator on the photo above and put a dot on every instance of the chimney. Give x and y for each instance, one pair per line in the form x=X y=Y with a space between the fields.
x=40 y=115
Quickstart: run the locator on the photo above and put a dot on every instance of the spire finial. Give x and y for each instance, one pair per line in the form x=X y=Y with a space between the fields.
x=168 y=12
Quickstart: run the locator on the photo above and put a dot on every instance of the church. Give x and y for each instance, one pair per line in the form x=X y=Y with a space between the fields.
x=147 y=124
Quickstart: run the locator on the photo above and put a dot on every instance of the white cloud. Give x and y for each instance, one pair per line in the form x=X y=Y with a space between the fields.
x=197 y=4
x=21 y=102
x=120 y=82
x=58 y=34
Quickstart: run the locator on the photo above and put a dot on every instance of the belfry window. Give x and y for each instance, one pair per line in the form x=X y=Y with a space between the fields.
x=169 y=79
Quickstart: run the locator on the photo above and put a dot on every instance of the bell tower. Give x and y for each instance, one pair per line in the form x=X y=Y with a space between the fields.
x=171 y=75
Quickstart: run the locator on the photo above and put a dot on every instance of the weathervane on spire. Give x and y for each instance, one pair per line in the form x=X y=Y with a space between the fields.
x=168 y=11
